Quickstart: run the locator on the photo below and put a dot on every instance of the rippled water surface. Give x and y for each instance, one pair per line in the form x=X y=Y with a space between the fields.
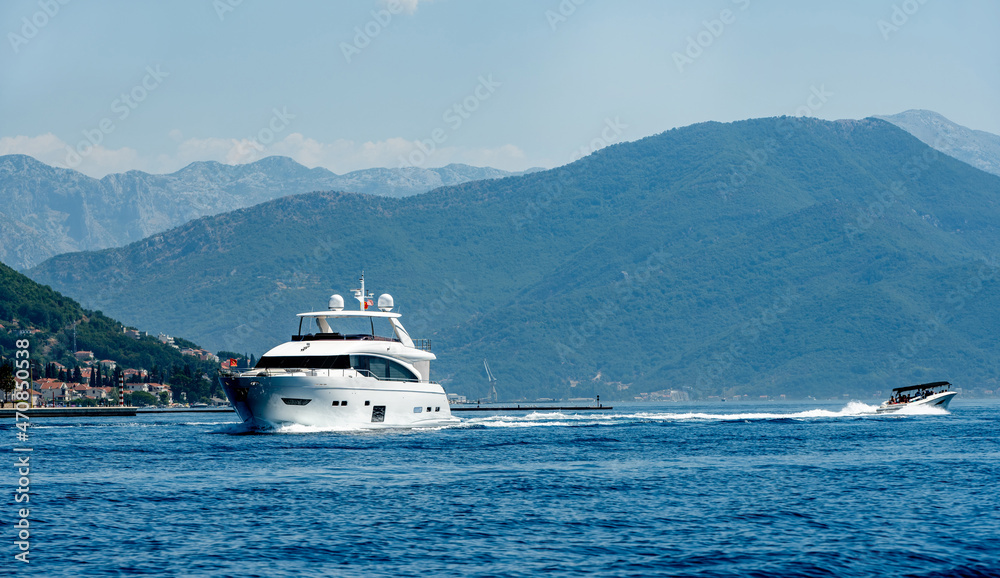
x=676 y=489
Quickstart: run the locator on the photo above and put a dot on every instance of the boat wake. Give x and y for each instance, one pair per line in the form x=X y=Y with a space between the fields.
x=854 y=409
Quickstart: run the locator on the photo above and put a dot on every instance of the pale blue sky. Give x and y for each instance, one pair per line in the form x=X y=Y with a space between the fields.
x=233 y=82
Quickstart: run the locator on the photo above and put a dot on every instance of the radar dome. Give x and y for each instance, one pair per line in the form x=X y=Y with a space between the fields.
x=336 y=303
x=385 y=302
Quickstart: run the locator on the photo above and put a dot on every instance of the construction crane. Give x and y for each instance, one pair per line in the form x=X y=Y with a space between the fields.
x=493 y=395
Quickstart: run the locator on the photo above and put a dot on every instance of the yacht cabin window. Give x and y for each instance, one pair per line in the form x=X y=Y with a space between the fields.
x=379 y=367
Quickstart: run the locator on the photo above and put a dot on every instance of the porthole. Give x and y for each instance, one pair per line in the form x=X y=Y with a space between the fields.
x=343 y=402
x=418 y=409
x=367 y=402
x=437 y=409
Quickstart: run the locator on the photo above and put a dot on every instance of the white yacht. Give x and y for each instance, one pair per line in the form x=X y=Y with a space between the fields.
x=330 y=378
x=936 y=394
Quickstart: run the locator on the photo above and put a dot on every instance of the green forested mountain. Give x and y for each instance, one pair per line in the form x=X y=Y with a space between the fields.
x=46 y=318
x=766 y=256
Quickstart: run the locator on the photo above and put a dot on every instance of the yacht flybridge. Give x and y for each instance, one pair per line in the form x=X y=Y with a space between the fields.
x=329 y=377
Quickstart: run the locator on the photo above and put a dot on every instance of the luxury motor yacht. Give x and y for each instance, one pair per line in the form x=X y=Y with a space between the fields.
x=936 y=394
x=327 y=377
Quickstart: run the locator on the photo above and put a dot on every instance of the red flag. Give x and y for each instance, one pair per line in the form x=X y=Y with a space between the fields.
x=233 y=362
x=369 y=303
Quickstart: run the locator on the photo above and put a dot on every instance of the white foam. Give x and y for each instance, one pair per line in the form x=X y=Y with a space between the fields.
x=859 y=408
x=208 y=422
x=548 y=419
x=299 y=429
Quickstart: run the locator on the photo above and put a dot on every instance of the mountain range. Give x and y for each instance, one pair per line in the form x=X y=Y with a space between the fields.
x=770 y=256
x=45 y=211
x=978 y=148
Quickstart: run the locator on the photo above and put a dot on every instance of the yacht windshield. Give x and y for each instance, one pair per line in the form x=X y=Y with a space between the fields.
x=349 y=326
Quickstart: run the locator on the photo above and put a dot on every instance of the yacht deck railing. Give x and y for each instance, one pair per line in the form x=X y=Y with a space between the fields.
x=274 y=372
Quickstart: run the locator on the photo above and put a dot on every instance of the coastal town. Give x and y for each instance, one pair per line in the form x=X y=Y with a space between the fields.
x=90 y=381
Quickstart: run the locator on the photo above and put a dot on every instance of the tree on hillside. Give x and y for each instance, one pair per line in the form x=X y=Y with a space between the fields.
x=142 y=398
x=7 y=381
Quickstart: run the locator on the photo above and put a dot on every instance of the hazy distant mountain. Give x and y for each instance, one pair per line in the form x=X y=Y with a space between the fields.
x=767 y=256
x=978 y=148
x=45 y=211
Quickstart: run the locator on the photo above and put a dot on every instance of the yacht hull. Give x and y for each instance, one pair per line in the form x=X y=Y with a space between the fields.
x=937 y=400
x=335 y=399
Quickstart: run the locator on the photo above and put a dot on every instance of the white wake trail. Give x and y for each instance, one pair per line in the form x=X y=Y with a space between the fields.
x=551 y=419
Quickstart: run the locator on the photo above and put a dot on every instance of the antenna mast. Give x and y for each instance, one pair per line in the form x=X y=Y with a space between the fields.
x=360 y=294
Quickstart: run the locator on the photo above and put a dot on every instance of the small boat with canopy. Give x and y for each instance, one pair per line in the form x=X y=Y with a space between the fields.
x=934 y=394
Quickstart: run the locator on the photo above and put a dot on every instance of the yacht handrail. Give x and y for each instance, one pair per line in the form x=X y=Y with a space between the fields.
x=271 y=372
x=342 y=337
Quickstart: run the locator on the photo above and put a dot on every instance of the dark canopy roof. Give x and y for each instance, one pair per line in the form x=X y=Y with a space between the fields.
x=921 y=386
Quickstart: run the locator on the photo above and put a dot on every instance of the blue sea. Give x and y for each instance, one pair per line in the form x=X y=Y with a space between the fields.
x=681 y=489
